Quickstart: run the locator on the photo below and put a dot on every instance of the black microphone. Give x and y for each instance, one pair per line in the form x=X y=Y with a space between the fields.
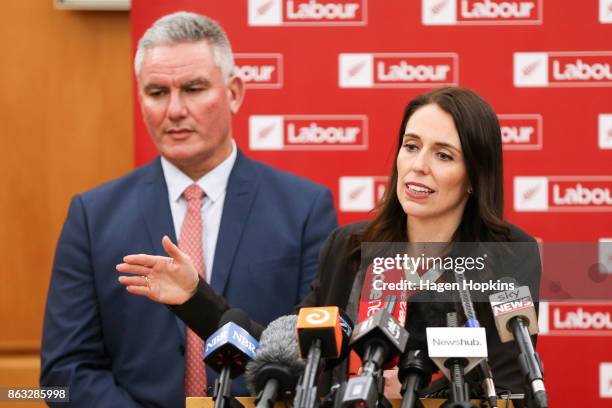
x=319 y=336
x=227 y=351
x=415 y=371
x=459 y=392
x=377 y=341
x=346 y=327
x=273 y=374
x=516 y=319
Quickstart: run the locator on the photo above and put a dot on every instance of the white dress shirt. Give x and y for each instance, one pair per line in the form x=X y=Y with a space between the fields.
x=214 y=184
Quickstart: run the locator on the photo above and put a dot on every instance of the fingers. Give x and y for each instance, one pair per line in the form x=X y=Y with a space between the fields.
x=173 y=250
x=134 y=269
x=142 y=259
x=139 y=290
x=140 y=281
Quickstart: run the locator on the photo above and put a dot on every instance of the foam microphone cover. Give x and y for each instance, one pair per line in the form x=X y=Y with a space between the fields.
x=278 y=348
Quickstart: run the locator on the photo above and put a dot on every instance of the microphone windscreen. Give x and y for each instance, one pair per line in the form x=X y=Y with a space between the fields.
x=278 y=345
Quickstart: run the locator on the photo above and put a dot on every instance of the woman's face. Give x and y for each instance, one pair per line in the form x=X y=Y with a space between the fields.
x=432 y=178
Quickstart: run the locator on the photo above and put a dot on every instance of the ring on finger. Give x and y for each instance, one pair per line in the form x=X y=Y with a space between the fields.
x=147 y=281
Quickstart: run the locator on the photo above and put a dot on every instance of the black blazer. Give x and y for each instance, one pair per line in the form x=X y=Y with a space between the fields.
x=334 y=283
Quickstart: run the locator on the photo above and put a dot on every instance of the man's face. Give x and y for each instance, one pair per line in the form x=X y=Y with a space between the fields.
x=187 y=106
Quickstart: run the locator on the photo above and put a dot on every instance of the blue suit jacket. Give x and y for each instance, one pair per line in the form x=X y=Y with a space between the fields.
x=115 y=349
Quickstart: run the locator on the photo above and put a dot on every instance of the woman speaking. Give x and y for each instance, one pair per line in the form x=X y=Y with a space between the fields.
x=446 y=187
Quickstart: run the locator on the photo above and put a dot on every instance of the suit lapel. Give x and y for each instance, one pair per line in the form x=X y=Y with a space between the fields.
x=155 y=209
x=241 y=191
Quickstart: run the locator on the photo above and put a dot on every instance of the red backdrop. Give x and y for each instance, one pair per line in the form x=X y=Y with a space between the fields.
x=328 y=81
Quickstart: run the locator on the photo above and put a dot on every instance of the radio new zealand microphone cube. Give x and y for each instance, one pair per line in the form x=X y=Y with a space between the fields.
x=510 y=304
x=381 y=325
x=469 y=343
x=230 y=340
x=321 y=323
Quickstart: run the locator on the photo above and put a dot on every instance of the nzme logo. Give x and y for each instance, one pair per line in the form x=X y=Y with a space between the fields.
x=307 y=12
x=521 y=131
x=318 y=316
x=568 y=318
x=558 y=69
x=264 y=71
x=308 y=132
x=563 y=193
x=361 y=194
x=398 y=70
x=605 y=11
x=481 y=12
x=605 y=130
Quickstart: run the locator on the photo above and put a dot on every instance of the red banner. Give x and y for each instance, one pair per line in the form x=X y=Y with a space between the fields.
x=327 y=82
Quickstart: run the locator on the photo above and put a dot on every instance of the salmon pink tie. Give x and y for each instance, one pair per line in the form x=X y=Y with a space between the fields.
x=190 y=242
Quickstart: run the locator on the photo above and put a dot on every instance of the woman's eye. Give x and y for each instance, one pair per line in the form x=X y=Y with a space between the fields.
x=411 y=147
x=444 y=156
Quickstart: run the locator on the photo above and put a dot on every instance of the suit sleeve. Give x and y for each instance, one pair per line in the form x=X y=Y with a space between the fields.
x=73 y=353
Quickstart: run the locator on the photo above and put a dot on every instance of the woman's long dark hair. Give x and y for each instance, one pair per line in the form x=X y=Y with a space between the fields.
x=480 y=137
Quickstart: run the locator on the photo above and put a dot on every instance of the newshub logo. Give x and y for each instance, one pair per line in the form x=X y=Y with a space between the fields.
x=521 y=131
x=482 y=12
x=563 y=69
x=361 y=193
x=397 y=70
x=263 y=71
x=308 y=132
x=563 y=193
x=307 y=12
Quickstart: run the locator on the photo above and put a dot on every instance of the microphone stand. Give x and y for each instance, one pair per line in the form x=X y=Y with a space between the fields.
x=222 y=393
x=306 y=393
x=459 y=390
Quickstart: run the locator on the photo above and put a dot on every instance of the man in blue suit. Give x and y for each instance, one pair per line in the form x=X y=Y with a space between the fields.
x=261 y=229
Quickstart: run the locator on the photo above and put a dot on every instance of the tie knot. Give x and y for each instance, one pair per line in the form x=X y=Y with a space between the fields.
x=193 y=192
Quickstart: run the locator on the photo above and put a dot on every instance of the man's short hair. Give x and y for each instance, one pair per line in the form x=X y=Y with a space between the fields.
x=185 y=27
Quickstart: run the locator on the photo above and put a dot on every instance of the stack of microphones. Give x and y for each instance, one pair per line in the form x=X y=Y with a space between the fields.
x=294 y=351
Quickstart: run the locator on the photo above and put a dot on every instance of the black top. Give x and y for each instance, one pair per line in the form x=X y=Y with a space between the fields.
x=334 y=283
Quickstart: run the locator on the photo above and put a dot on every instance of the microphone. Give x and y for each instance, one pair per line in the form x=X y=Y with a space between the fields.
x=273 y=374
x=377 y=341
x=415 y=371
x=227 y=351
x=515 y=319
x=488 y=386
x=346 y=329
x=319 y=336
x=456 y=350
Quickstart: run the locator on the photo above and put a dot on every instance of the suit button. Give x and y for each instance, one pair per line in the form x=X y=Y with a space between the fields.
x=182 y=349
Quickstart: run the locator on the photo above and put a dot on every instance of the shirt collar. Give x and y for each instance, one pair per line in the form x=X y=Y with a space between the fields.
x=213 y=183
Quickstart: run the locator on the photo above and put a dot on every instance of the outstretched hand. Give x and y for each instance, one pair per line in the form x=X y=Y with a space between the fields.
x=170 y=280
